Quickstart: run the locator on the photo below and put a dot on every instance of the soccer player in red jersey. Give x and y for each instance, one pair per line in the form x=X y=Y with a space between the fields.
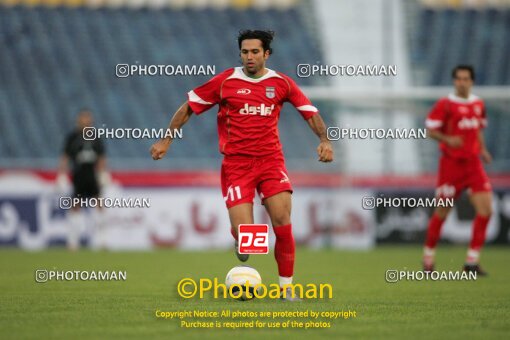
x=456 y=122
x=250 y=99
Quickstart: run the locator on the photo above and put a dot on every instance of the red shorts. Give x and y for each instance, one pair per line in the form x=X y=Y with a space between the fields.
x=455 y=175
x=240 y=176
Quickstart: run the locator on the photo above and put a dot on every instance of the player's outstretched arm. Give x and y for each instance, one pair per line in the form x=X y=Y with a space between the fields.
x=63 y=166
x=183 y=114
x=325 y=149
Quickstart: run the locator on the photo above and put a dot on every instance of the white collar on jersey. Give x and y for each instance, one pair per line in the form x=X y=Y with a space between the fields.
x=239 y=74
x=454 y=98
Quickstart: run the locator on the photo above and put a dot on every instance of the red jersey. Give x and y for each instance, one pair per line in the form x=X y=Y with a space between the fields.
x=249 y=109
x=456 y=116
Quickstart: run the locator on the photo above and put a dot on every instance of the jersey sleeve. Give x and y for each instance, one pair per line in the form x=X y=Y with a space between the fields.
x=206 y=95
x=437 y=116
x=301 y=102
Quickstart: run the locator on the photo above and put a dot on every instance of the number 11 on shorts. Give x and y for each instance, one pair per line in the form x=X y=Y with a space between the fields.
x=230 y=193
x=253 y=238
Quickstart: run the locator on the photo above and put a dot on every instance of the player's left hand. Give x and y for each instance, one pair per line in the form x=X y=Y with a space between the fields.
x=62 y=182
x=486 y=156
x=104 y=178
x=159 y=149
x=325 y=151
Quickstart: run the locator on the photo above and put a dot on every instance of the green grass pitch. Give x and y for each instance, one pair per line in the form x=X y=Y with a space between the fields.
x=126 y=309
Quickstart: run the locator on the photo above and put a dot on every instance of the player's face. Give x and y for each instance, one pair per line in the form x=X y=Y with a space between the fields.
x=85 y=119
x=463 y=82
x=253 y=56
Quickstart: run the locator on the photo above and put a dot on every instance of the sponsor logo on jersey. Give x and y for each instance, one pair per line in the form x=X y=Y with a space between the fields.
x=243 y=91
x=270 y=92
x=262 y=110
x=468 y=123
x=463 y=110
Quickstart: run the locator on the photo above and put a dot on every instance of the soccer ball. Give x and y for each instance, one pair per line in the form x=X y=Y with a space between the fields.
x=237 y=278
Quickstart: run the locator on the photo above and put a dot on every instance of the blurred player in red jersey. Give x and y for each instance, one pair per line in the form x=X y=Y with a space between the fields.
x=250 y=99
x=457 y=122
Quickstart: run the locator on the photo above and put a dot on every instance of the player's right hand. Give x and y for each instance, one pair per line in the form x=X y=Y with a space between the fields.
x=453 y=141
x=159 y=149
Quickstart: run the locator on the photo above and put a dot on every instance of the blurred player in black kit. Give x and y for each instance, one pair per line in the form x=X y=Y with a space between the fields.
x=88 y=173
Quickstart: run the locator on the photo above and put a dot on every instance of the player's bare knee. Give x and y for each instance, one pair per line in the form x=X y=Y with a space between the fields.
x=280 y=219
x=482 y=204
x=442 y=212
x=486 y=214
x=485 y=211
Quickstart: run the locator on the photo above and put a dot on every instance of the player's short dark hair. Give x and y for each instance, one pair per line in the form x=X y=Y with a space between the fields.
x=83 y=110
x=266 y=37
x=461 y=67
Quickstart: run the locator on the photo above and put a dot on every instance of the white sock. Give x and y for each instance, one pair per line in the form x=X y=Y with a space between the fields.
x=429 y=255
x=285 y=281
x=472 y=257
x=99 y=229
x=75 y=219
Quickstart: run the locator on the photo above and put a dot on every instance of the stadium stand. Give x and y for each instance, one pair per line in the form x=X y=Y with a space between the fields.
x=75 y=46
x=480 y=37
x=76 y=49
